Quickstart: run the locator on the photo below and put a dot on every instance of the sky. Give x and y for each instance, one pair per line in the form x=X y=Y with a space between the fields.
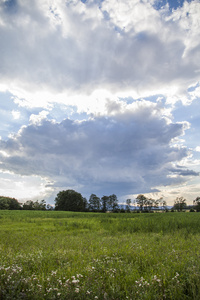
x=100 y=96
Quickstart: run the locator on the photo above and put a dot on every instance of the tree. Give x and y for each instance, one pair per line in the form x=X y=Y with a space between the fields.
x=104 y=203
x=141 y=201
x=179 y=204
x=156 y=204
x=196 y=203
x=94 y=203
x=49 y=207
x=42 y=205
x=69 y=200
x=128 y=205
x=39 y=205
x=31 y=205
x=85 y=204
x=113 y=202
x=9 y=203
x=150 y=203
x=28 y=205
x=164 y=204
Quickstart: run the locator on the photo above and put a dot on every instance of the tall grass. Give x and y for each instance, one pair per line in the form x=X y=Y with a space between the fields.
x=66 y=255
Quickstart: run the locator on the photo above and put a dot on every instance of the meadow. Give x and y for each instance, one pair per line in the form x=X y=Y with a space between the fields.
x=66 y=255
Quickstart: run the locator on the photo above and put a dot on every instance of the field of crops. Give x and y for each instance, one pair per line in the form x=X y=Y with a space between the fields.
x=65 y=255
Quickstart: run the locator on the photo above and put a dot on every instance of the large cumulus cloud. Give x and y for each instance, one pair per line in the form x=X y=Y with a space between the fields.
x=125 y=153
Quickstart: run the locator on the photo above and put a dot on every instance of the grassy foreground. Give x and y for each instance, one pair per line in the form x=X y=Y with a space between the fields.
x=63 y=255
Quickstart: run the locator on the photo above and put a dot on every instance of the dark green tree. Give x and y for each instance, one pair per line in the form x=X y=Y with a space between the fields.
x=150 y=203
x=49 y=207
x=113 y=203
x=104 y=203
x=9 y=203
x=179 y=204
x=196 y=203
x=94 y=203
x=156 y=204
x=69 y=200
x=42 y=205
x=85 y=204
x=28 y=205
x=141 y=201
x=39 y=205
x=163 y=204
x=128 y=205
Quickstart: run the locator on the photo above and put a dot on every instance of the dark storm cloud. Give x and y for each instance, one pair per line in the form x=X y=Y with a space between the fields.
x=125 y=152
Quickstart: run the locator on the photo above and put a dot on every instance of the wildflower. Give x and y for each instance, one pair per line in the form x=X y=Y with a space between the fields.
x=53 y=273
x=75 y=281
x=66 y=282
x=39 y=286
x=76 y=290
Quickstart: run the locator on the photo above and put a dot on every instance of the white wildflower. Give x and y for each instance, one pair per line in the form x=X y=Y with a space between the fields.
x=75 y=281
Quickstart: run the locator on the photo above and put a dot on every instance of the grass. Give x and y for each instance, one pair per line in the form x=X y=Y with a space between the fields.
x=66 y=255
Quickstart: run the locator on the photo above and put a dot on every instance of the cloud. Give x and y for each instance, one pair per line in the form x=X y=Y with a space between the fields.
x=95 y=62
x=24 y=187
x=131 y=151
x=37 y=119
x=16 y=114
x=52 y=51
x=184 y=172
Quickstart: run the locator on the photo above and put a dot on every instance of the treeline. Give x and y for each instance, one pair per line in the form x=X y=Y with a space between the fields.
x=8 y=203
x=70 y=200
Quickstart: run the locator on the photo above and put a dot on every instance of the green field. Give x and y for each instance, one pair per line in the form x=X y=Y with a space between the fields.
x=66 y=255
